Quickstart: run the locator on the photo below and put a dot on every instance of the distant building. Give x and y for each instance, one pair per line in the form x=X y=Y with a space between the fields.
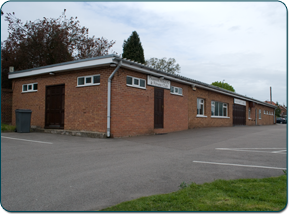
x=282 y=107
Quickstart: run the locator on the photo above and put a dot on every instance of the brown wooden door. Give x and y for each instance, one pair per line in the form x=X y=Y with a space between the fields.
x=239 y=115
x=54 y=110
x=159 y=108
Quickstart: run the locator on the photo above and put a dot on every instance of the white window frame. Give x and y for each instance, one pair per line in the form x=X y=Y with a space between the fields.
x=88 y=84
x=225 y=105
x=249 y=113
x=260 y=114
x=178 y=89
x=32 y=87
x=201 y=104
x=135 y=85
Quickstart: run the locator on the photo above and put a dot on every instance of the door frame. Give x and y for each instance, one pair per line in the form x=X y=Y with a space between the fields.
x=256 y=117
x=63 y=100
x=159 y=126
x=237 y=109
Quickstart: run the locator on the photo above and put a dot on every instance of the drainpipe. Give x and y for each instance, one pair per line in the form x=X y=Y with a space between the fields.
x=109 y=98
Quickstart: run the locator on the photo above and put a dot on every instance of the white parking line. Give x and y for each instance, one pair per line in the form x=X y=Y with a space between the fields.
x=279 y=150
x=250 y=148
x=230 y=164
x=34 y=141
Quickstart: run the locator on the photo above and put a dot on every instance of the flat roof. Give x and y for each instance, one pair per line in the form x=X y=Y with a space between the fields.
x=115 y=59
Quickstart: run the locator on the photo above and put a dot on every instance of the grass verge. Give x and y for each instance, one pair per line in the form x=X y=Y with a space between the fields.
x=7 y=128
x=267 y=194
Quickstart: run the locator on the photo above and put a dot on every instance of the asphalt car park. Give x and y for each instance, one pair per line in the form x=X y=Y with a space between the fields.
x=49 y=172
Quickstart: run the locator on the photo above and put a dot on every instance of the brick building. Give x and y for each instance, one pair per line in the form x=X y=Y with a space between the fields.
x=283 y=108
x=120 y=97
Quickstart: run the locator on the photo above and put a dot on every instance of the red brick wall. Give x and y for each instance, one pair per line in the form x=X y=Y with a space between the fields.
x=6 y=106
x=208 y=96
x=176 y=117
x=132 y=109
x=85 y=107
x=266 y=119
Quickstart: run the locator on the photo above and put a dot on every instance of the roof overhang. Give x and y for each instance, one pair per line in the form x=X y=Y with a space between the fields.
x=67 y=66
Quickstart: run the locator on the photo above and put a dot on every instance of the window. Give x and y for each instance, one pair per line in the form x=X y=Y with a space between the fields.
x=225 y=110
x=260 y=114
x=176 y=90
x=135 y=82
x=249 y=113
x=88 y=80
x=219 y=109
x=31 y=87
x=200 y=106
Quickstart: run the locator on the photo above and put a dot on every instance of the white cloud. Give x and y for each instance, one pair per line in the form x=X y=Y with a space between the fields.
x=241 y=42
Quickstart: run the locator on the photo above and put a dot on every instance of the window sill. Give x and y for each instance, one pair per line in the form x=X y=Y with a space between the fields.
x=23 y=92
x=199 y=115
x=177 y=94
x=79 y=86
x=220 y=117
x=135 y=86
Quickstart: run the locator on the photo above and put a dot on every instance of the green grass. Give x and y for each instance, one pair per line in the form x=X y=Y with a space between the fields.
x=7 y=128
x=268 y=194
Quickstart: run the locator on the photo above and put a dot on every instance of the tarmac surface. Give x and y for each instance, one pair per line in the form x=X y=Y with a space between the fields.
x=50 y=172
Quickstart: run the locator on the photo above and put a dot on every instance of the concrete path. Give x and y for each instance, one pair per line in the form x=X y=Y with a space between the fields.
x=47 y=172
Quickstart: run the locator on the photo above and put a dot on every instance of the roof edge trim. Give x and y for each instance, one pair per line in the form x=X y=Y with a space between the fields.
x=62 y=67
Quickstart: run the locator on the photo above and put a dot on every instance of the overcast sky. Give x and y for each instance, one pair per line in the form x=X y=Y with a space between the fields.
x=242 y=43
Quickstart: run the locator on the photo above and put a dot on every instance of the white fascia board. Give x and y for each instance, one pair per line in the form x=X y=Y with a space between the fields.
x=145 y=70
x=60 y=68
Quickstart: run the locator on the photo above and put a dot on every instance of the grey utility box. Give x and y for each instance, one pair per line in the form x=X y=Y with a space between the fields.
x=23 y=120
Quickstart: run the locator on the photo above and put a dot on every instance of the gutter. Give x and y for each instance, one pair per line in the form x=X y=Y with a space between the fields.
x=109 y=98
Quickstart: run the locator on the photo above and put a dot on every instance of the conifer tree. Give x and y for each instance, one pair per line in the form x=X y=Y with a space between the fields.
x=132 y=48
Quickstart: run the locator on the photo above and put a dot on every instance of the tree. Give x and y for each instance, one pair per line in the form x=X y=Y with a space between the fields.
x=165 y=65
x=45 y=42
x=132 y=48
x=278 y=110
x=223 y=85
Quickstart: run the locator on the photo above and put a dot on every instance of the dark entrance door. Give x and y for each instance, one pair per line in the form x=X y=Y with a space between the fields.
x=239 y=115
x=159 y=108
x=54 y=109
